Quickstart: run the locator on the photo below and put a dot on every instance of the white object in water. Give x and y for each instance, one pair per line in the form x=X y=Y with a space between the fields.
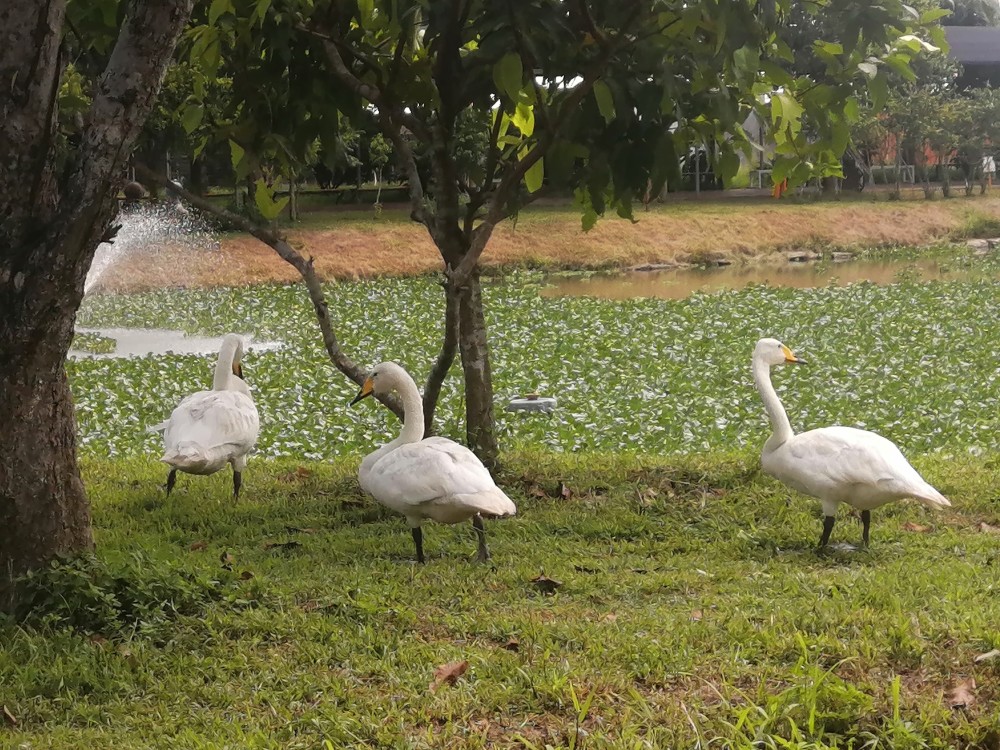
x=532 y=402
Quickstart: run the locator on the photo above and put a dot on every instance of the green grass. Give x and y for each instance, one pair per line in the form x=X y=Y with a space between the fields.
x=693 y=613
x=911 y=361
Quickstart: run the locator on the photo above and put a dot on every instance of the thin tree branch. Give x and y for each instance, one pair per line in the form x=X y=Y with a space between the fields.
x=445 y=359
x=287 y=253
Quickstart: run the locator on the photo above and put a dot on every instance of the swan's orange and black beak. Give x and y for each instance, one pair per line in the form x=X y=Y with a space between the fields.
x=366 y=390
x=238 y=370
x=790 y=358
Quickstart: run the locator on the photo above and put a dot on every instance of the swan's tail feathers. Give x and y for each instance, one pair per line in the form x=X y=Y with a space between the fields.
x=190 y=458
x=158 y=427
x=490 y=504
x=932 y=498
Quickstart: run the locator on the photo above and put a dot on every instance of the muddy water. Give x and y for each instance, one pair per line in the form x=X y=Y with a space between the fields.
x=138 y=342
x=683 y=282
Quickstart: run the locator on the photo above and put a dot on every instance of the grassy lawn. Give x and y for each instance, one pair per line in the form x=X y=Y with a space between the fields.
x=693 y=612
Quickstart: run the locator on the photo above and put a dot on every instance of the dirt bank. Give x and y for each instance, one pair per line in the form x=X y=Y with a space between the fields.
x=359 y=245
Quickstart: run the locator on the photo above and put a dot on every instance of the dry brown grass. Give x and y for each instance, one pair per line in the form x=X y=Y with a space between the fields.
x=688 y=232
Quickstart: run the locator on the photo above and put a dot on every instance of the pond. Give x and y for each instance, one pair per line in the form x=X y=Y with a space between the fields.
x=680 y=283
x=139 y=342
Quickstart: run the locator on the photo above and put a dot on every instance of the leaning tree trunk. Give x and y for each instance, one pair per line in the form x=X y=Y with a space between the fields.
x=51 y=222
x=480 y=426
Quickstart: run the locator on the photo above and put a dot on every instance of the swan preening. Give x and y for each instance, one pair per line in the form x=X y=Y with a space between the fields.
x=210 y=429
x=833 y=464
x=436 y=478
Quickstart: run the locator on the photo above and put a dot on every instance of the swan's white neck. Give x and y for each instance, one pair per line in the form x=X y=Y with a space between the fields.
x=224 y=366
x=413 y=411
x=781 y=427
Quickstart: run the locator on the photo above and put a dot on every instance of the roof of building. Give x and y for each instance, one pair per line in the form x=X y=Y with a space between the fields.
x=974 y=45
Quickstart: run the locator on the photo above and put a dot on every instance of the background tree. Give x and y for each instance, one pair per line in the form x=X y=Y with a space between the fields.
x=57 y=200
x=972 y=12
x=599 y=98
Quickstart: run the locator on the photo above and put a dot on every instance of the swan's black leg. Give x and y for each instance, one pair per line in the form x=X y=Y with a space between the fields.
x=171 y=478
x=484 y=552
x=418 y=541
x=827 y=530
x=866 y=522
x=237 y=483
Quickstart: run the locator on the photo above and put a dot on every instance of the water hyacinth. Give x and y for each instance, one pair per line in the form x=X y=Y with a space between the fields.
x=911 y=361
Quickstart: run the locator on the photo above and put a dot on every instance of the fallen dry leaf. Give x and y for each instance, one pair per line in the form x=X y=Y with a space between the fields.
x=919 y=528
x=293 y=476
x=9 y=717
x=536 y=491
x=227 y=560
x=97 y=639
x=545 y=584
x=512 y=645
x=195 y=546
x=962 y=695
x=988 y=656
x=584 y=569
x=696 y=614
x=988 y=529
x=610 y=617
x=448 y=674
x=564 y=491
x=246 y=575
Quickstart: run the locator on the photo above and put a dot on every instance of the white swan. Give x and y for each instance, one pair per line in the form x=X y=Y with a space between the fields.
x=434 y=478
x=210 y=429
x=834 y=464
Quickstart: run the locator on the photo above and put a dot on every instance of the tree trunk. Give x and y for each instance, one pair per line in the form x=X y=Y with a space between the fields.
x=52 y=222
x=445 y=358
x=479 y=424
x=43 y=506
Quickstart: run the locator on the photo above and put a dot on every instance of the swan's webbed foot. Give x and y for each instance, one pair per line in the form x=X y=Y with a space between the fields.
x=827 y=530
x=866 y=522
x=171 y=480
x=483 y=554
x=418 y=542
x=237 y=483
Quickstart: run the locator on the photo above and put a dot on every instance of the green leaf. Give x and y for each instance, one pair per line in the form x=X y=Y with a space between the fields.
x=775 y=74
x=729 y=165
x=191 y=117
x=268 y=207
x=524 y=119
x=930 y=16
x=786 y=108
x=746 y=61
x=217 y=9
x=366 y=10
x=831 y=48
x=870 y=69
x=605 y=101
x=237 y=153
x=589 y=219
x=507 y=74
x=878 y=87
x=534 y=176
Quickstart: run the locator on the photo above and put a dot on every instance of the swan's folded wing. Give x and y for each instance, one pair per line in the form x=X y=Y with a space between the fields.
x=846 y=457
x=214 y=418
x=422 y=472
